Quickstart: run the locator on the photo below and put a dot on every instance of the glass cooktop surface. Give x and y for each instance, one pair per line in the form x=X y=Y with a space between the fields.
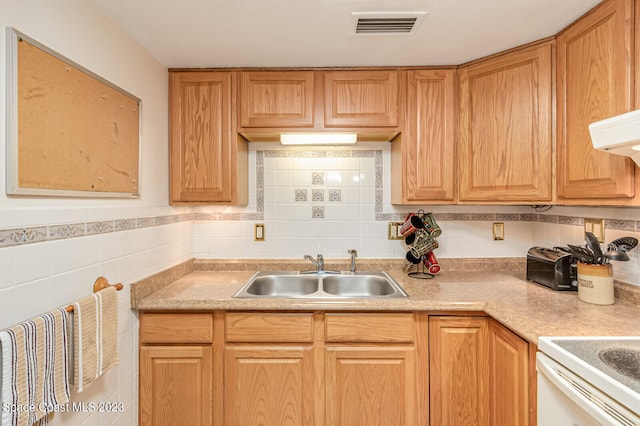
x=617 y=358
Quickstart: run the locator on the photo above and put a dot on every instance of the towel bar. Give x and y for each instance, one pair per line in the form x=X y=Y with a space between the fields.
x=100 y=284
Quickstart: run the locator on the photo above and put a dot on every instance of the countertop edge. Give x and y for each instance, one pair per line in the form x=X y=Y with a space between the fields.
x=526 y=312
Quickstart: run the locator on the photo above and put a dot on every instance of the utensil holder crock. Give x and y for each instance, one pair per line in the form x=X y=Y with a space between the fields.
x=595 y=284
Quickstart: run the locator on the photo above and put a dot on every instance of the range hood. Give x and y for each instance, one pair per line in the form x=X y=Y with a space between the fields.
x=618 y=135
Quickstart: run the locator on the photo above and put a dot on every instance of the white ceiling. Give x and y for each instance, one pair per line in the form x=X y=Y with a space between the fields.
x=313 y=33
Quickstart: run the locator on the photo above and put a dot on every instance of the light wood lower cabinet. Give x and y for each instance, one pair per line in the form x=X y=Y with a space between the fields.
x=370 y=386
x=176 y=370
x=176 y=385
x=269 y=385
x=479 y=373
x=337 y=369
x=458 y=359
x=509 y=381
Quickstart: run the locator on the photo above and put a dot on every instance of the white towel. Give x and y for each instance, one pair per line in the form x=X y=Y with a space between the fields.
x=95 y=336
x=35 y=377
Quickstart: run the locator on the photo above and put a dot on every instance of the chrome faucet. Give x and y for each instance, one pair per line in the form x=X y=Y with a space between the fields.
x=354 y=254
x=319 y=262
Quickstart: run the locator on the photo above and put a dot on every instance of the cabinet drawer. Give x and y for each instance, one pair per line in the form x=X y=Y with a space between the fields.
x=269 y=327
x=382 y=327
x=176 y=328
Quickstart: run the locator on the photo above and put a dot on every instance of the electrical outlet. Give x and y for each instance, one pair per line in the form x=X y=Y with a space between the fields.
x=595 y=226
x=258 y=230
x=498 y=231
x=394 y=231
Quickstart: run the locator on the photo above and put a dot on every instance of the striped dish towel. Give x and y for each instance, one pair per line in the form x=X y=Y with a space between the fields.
x=95 y=336
x=35 y=376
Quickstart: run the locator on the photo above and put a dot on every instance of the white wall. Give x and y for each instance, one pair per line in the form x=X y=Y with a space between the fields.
x=40 y=276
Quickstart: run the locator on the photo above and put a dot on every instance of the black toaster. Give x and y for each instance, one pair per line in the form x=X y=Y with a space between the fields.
x=552 y=268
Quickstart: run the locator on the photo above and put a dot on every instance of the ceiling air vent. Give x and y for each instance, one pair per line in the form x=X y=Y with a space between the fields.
x=387 y=22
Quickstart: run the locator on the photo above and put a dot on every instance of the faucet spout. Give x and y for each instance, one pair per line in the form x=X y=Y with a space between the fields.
x=318 y=262
x=353 y=253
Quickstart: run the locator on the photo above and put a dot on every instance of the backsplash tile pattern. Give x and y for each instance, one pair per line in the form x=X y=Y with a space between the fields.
x=317 y=178
x=335 y=195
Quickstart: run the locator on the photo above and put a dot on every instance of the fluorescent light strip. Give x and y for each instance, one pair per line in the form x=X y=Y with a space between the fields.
x=318 y=138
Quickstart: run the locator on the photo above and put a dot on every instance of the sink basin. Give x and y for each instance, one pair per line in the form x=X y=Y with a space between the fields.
x=358 y=286
x=283 y=286
x=293 y=284
x=624 y=361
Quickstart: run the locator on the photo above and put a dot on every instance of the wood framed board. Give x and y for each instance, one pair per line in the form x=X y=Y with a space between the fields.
x=69 y=131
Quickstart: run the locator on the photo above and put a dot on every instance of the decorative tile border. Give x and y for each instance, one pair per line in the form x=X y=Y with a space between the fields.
x=40 y=234
x=37 y=234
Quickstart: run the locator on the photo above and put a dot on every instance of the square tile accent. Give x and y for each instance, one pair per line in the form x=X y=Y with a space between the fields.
x=317 y=195
x=317 y=212
x=335 y=195
x=301 y=195
x=317 y=178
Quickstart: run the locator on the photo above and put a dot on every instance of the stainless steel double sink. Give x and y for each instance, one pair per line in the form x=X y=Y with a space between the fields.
x=293 y=284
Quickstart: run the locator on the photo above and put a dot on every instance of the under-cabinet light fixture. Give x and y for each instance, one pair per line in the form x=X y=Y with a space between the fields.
x=318 y=138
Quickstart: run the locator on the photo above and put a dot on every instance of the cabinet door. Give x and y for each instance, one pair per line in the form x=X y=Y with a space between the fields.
x=370 y=386
x=428 y=143
x=458 y=362
x=269 y=386
x=361 y=99
x=505 y=127
x=595 y=69
x=176 y=385
x=205 y=151
x=276 y=98
x=509 y=381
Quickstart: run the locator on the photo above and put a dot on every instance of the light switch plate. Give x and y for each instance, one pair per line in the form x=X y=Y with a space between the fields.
x=394 y=231
x=595 y=226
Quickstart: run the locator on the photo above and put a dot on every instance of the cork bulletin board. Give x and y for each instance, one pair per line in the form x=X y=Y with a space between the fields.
x=70 y=132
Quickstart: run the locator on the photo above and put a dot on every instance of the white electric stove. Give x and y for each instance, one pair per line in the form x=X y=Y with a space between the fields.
x=584 y=381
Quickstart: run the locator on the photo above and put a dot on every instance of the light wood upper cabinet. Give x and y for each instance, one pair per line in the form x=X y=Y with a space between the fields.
x=208 y=160
x=505 y=137
x=423 y=157
x=276 y=99
x=594 y=78
x=362 y=98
